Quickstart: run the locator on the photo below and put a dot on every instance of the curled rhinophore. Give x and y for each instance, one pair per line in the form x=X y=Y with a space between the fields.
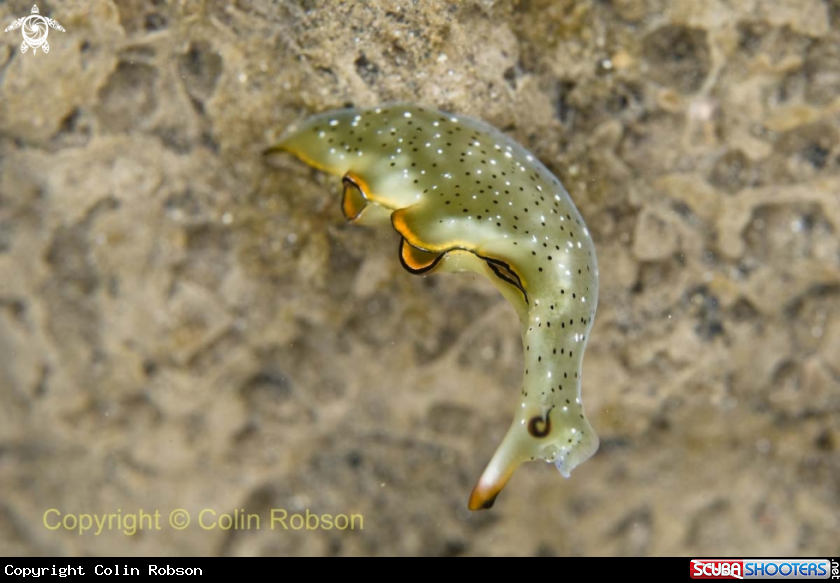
x=465 y=197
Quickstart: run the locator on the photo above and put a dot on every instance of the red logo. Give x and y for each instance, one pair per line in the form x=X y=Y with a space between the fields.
x=716 y=569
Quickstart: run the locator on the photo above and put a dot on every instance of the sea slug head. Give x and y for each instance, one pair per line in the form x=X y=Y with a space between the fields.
x=558 y=434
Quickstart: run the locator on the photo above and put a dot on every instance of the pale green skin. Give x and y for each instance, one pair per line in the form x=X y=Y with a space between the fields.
x=412 y=161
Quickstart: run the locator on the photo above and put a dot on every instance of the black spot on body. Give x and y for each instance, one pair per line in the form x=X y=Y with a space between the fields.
x=539 y=427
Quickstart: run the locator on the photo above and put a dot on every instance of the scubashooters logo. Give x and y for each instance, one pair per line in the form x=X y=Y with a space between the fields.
x=36 y=28
x=762 y=569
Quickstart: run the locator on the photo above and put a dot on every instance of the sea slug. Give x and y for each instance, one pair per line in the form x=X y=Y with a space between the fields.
x=466 y=197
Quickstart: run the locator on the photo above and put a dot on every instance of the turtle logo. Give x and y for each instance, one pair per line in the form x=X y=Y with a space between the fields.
x=35 y=30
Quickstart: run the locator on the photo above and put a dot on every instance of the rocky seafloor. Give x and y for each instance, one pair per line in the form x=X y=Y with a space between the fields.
x=184 y=326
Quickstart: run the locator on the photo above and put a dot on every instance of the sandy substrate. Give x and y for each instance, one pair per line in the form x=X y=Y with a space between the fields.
x=184 y=326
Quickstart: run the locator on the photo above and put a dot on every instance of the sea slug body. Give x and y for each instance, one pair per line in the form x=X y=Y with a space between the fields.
x=466 y=197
